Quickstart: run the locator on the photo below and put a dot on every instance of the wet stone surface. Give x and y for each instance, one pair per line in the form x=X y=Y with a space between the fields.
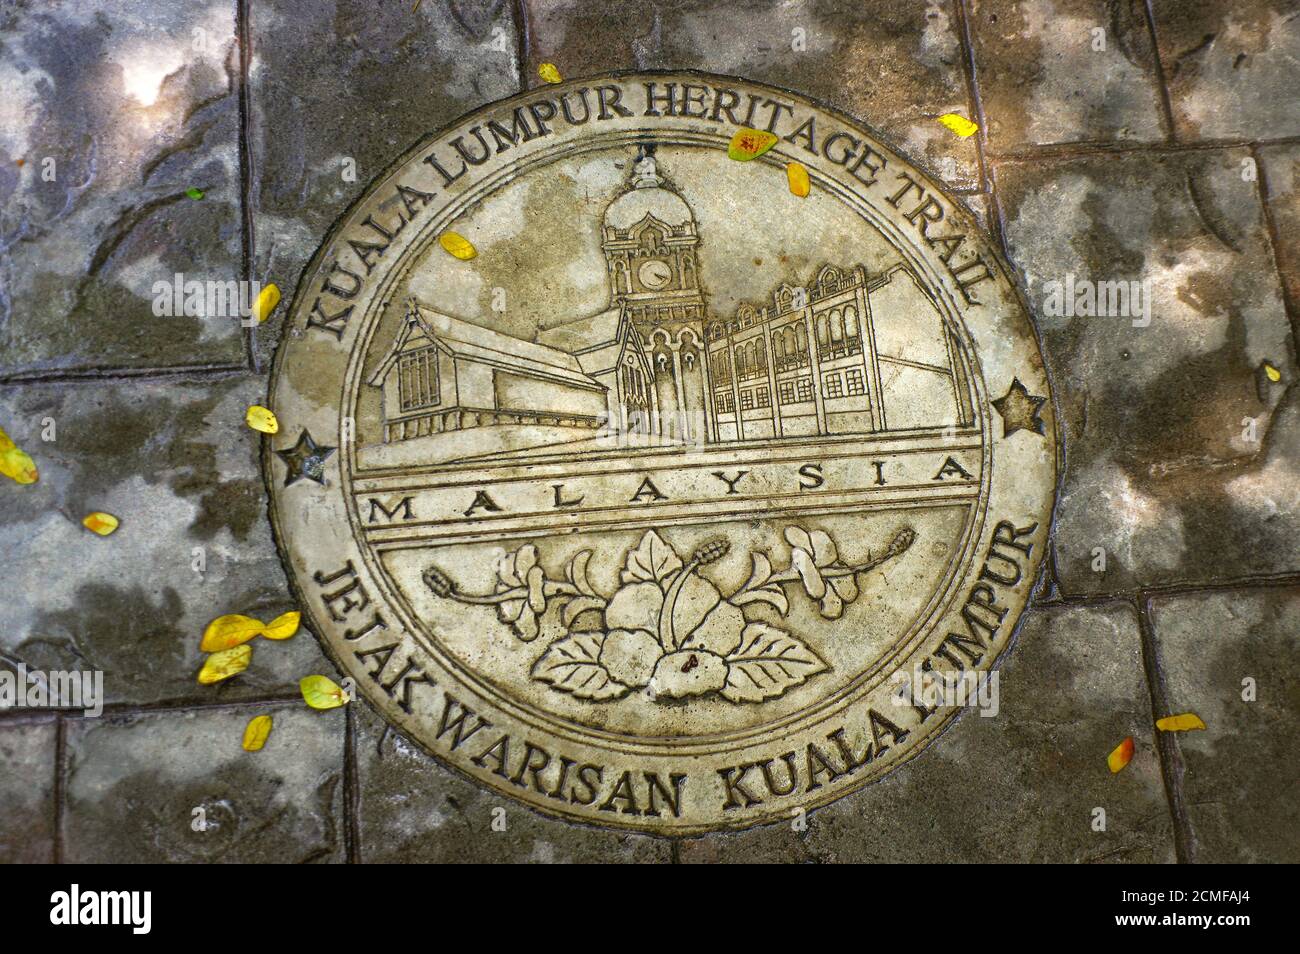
x=324 y=126
x=1230 y=658
x=1048 y=76
x=130 y=799
x=412 y=809
x=896 y=67
x=176 y=464
x=1163 y=468
x=113 y=110
x=1022 y=786
x=27 y=792
x=1230 y=68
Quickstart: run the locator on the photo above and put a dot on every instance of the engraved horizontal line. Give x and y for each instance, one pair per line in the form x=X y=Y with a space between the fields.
x=725 y=456
x=646 y=514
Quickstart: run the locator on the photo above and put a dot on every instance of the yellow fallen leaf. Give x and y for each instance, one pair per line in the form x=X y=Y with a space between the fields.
x=283 y=626
x=226 y=632
x=1121 y=756
x=959 y=124
x=1272 y=373
x=321 y=692
x=1180 y=723
x=749 y=144
x=18 y=466
x=261 y=419
x=548 y=72
x=265 y=303
x=223 y=665
x=457 y=245
x=796 y=173
x=255 y=733
x=100 y=522
x=14 y=463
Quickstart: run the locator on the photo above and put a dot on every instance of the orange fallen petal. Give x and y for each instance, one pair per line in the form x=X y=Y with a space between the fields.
x=1180 y=723
x=100 y=522
x=1121 y=756
x=796 y=173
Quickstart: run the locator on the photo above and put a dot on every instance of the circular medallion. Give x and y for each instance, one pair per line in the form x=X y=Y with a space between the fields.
x=686 y=501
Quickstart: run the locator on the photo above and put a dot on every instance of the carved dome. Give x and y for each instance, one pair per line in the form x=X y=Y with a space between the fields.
x=647 y=197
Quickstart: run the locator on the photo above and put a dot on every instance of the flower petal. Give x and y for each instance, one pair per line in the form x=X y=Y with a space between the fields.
x=823 y=547
x=322 y=692
x=100 y=522
x=688 y=672
x=256 y=732
x=457 y=245
x=224 y=664
x=635 y=606
x=261 y=419
x=283 y=626
x=629 y=656
x=803 y=563
x=720 y=631
x=227 y=632
x=796 y=174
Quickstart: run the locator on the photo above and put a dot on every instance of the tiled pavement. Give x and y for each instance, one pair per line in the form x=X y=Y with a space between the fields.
x=1119 y=140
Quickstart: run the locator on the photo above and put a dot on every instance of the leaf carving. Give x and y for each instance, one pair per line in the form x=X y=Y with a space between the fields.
x=576 y=571
x=651 y=561
x=573 y=665
x=758 y=590
x=767 y=663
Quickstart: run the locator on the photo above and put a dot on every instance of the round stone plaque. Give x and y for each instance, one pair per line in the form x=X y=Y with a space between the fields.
x=643 y=490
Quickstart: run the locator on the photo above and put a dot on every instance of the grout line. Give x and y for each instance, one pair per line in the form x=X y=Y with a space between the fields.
x=243 y=15
x=60 y=785
x=972 y=89
x=1171 y=759
x=675 y=851
x=1161 y=591
x=97 y=375
x=128 y=710
x=1111 y=149
x=1274 y=236
x=1166 y=104
x=351 y=790
x=523 y=37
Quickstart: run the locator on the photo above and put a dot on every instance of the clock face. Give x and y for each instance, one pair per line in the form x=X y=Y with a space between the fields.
x=655 y=274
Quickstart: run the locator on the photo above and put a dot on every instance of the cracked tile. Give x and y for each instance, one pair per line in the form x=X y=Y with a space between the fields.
x=131 y=800
x=1021 y=786
x=1179 y=459
x=896 y=67
x=177 y=465
x=1047 y=76
x=114 y=110
x=1238 y=779
x=1231 y=68
x=413 y=809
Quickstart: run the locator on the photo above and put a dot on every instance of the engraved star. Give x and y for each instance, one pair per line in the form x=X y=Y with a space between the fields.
x=305 y=459
x=1019 y=410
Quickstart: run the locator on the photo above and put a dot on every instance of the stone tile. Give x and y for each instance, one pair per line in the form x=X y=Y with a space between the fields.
x=1281 y=173
x=1164 y=468
x=1230 y=68
x=1020 y=786
x=27 y=752
x=415 y=810
x=176 y=464
x=894 y=66
x=133 y=103
x=1042 y=80
x=1238 y=780
x=347 y=86
x=131 y=797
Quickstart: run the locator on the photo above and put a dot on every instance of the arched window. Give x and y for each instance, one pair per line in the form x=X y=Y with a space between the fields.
x=821 y=330
x=778 y=347
x=801 y=338
x=760 y=355
x=851 y=321
x=837 y=327
x=741 y=363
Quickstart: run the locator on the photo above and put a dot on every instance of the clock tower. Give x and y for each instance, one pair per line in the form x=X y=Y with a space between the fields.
x=650 y=246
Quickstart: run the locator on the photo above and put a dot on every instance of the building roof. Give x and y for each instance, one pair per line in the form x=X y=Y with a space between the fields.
x=647 y=197
x=585 y=334
x=487 y=346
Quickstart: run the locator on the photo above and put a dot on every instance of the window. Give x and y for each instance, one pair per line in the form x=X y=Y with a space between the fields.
x=746 y=399
x=417 y=379
x=726 y=403
x=762 y=398
x=786 y=390
x=853 y=380
x=832 y=385
x=804 y=387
